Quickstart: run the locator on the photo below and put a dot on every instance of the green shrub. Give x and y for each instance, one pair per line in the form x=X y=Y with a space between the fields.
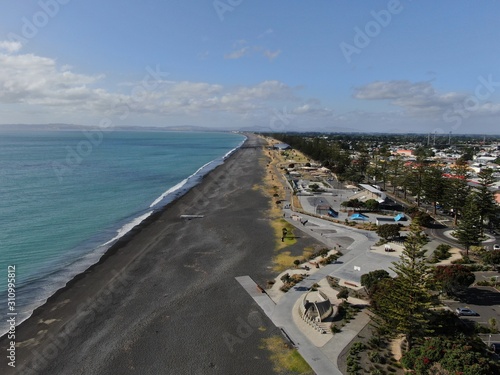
x=483 y=283
x=357 y=347
x=374 y=341
x=335 y=329
x=464 y=260
x=351 y=360
x=374 y=357
x=441 y=252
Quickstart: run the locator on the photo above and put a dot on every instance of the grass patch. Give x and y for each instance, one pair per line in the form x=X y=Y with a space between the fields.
x=283 y=261
x=308 y=251
x=284 y=358
x=290 y=239
x=296 y=202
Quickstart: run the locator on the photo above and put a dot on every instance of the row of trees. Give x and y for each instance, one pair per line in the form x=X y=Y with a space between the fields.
x=370 y=204
x=441 y=186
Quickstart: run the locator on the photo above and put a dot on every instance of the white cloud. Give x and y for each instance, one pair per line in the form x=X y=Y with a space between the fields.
x=308 y=109
x=38 y=84
x=197 y=97
x=33 y=79
x=419 y=99
x=10 y=47
x=243 y=48
x=238 y=54
x=271 y=55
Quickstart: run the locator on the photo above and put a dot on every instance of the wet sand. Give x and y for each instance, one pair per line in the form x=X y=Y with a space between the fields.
x=164 y=299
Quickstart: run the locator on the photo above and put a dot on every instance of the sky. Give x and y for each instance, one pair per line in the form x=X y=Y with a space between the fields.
x=267 y=65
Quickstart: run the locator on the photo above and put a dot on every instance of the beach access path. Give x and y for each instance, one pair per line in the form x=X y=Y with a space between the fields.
x=164 y=299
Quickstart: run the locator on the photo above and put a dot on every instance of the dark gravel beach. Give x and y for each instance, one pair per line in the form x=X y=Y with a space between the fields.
x=164 y=300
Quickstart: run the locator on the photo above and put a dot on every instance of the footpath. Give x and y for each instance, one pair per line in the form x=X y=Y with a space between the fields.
x=282 y=308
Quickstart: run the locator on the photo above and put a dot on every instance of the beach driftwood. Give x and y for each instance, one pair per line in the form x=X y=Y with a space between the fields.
x=192 y=216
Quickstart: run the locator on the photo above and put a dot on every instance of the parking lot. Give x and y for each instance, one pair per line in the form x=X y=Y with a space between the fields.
x=483 y=300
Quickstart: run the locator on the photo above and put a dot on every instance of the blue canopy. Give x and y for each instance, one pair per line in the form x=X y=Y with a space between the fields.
x=358 y=216
x=399 y=217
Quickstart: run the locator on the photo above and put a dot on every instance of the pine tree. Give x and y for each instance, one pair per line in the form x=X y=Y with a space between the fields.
x=395 y=170
x=433 y=185
x=468 y=232
x=484 y=198
x=403 y=303
x=456 y=189
x=416 y=178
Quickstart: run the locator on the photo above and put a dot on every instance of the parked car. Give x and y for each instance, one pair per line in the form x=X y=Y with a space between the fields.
x=463 y=311
x=496 y=247
x=495 y=347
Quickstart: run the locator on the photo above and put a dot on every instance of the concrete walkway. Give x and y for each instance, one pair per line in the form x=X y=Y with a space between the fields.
x=323 y=360
x=357 y=259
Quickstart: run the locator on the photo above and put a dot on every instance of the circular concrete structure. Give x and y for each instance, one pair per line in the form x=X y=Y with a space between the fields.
x=315 y=306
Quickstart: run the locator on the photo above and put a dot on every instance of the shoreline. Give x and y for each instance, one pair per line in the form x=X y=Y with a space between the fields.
x=169 y=197
x=67 y=312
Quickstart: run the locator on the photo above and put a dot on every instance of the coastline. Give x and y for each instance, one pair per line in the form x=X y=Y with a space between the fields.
x=98 y=245
x=69 y=314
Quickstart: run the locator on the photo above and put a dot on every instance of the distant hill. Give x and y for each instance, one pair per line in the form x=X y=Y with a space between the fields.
x=73 y=127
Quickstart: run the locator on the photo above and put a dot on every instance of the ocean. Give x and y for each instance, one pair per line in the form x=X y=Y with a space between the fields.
x=67 y=196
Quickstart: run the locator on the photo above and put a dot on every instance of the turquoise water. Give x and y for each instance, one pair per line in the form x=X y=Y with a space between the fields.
x=65 y=196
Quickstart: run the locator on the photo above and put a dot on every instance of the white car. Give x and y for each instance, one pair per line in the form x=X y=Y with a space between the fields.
x=463 y=311
x=496 y=247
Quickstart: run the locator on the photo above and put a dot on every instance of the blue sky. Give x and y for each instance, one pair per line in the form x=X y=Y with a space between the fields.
x=373 y=66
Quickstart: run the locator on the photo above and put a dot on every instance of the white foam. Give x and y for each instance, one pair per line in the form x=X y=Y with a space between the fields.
x=200 y=172
x=187 y=183
x=173 y=189
x=128 y=227
x=229 y=153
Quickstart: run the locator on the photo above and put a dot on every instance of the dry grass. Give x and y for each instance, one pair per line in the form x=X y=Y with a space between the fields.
x=284 y=358
x=296 y=202
x=273 y=188
x=283 y=261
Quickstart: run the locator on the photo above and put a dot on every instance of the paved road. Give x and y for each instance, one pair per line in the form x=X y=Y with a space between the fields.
x=438 y=233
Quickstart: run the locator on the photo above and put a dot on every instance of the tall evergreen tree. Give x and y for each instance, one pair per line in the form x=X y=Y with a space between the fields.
x=406 y=179
x=416 y=178
x=468 y=232
x=484 y=198
x=395 y=170
x=433 y=184
x=403 y=306
x=456 y=189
